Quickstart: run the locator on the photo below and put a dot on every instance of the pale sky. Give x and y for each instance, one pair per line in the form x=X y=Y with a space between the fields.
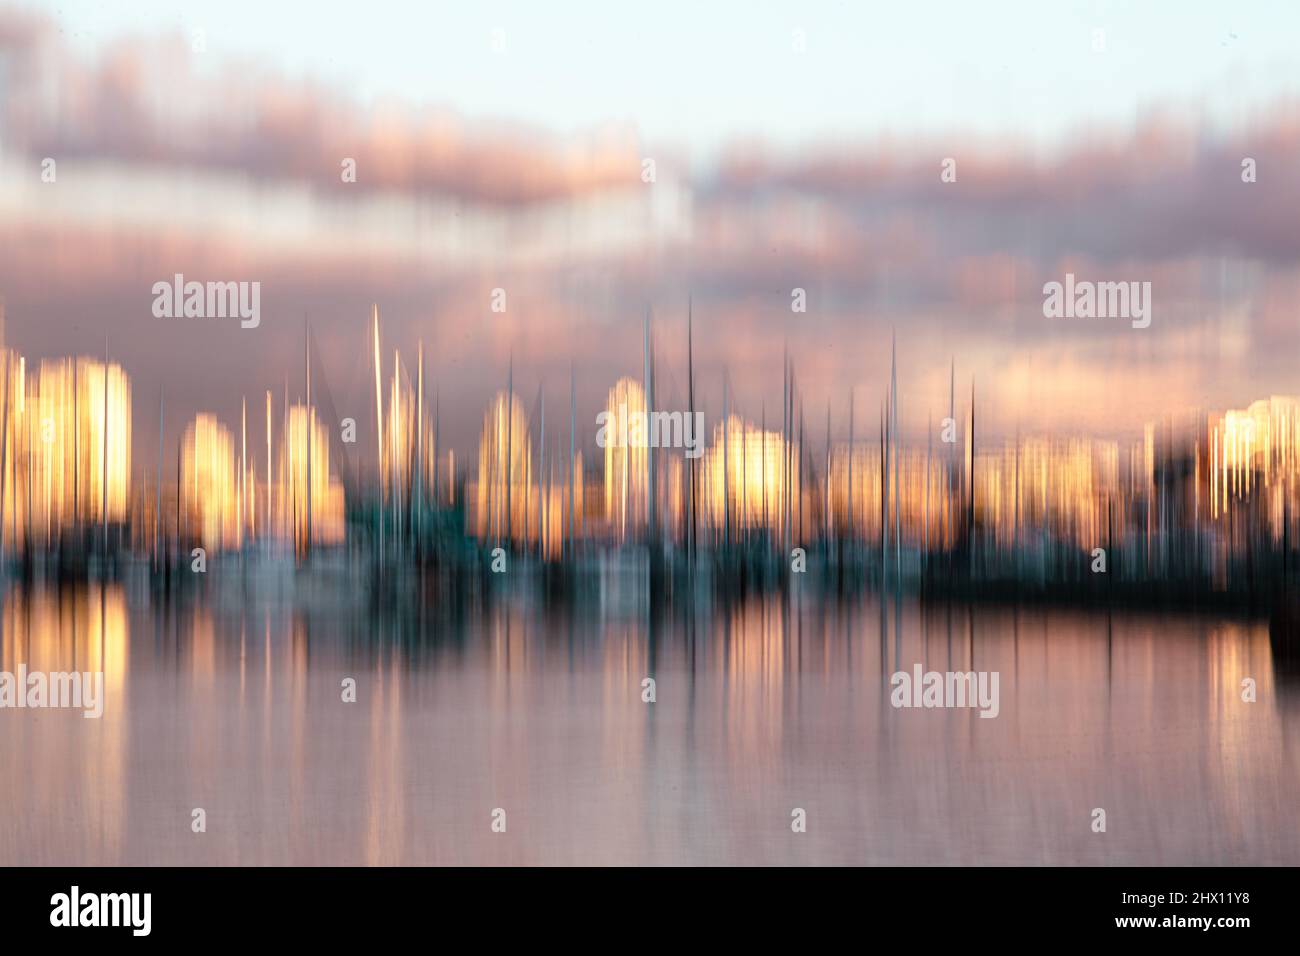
x=817 y=170
x=696 y=75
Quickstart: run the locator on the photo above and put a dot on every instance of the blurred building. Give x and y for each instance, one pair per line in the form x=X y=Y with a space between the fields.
x=626 y=458
x=66 y=448
x=504 y=486
x=309 y=499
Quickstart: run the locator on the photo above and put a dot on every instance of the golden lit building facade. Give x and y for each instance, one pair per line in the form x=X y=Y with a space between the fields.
x=309 y=499
x=1252 y=455
x=856 y=489
x=13 y=449
x=626 y=462
x=747 y=480
x=211 y=504
x=1070 y=489
x=1063 y=487
x=66 y=447
x=511 y=500
x=504 y=486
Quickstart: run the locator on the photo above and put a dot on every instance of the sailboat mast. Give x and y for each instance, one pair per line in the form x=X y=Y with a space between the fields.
x=970 y=504
x=418 y=490
x=690 y=405
x=827 y=516
x=104 y=463
x=510 y=445
x=787 y=489
x=157 y=508
x=180 y=540
x=649 y=451
x=893 y=434
x=726 y=467
x=4 y=444
x=573 y=474
x=310 y=416
x=544 y=492
x=267 y=530
x=798 y=455
x=929 y=447
x=950 y=512
x=762 y=472
x=396 y=419
x=785 y=443
x=884 y=494
x=437 y=438
x=289 y=491
x=77 y=506
x=379 y=427
x=852 y=448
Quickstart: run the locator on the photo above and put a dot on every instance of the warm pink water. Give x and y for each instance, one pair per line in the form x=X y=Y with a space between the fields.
x=234 y=706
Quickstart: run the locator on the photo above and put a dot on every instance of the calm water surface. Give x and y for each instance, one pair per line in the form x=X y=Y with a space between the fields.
x=231 y=702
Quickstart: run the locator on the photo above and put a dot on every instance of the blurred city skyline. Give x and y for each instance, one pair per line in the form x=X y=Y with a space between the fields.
x=674 y=427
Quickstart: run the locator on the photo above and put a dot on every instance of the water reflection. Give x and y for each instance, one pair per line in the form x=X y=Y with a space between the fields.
x=762 y=706
x=82 y=629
